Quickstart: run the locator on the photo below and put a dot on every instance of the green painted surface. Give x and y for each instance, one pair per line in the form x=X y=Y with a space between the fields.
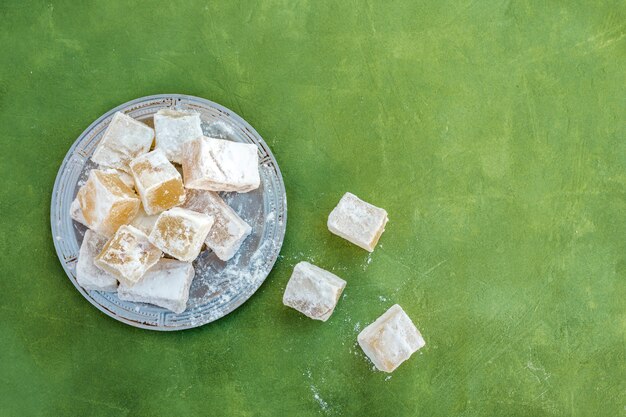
x=492 y=132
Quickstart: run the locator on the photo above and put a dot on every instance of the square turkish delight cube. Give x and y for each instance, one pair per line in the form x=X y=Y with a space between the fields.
x=158 y=183
x=166 y=285
x=313 y=291
x=391 y=339
x=124 y=139
x=220 y=165
x=128 y=255
x=181 y=233
x=75 y=211
x=228 y=231
x=173 y=128
x=357 y=221
x=106 y=202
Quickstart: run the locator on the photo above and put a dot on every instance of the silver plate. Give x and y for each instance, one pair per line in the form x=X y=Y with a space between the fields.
x=218 y=287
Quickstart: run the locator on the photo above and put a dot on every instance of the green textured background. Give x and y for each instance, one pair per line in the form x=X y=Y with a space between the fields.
x=492 y=132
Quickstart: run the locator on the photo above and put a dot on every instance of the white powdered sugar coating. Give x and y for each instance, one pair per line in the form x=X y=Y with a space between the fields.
x=161 y=170
x=313 y=291
x=76 y=213
x=124 y=139
x=181 y=232
x=103 y=198
x=222 y=282
x=323 y=404
x=104 y=201
x=173 y=128
x=391 y=339
x=220 y=130
x=128 y=255
x=220 y=165
x=316 y=395
x=357 y=221
x=125 y=177
x=88 y=275
x=166 y=285
x=229 y=230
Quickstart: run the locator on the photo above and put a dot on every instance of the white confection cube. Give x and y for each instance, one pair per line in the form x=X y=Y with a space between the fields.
x=220 y=165
x=180 y=233
x=88 y=275
x=106 y=202
x=313 y=291
x=124 y=139
x=357 y=221
x=158 y=183
x=391 y=339
x=128 y=255
x=144 y=222
x=228 y=231
x=173 y=128
x=166 y=285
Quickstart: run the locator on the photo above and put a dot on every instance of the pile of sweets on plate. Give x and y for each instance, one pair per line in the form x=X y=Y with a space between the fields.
x=147 y=223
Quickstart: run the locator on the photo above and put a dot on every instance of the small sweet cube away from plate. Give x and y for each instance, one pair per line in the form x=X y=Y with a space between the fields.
x=166 y=284
x=124 y=139
x=173 y=128
x=220 y=165
x=228 y=231
x=357 y=221
x=180 y=233
x=128 y=255
x=313 y=291
x=391 y=339
x=158 y=183
x=88 y=275
x=106 y=202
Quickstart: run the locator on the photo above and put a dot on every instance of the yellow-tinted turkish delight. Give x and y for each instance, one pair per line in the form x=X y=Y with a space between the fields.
x=106 y=202
x=128 y=255
x=229 y=230
x=180 y=233
x=158 y=183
